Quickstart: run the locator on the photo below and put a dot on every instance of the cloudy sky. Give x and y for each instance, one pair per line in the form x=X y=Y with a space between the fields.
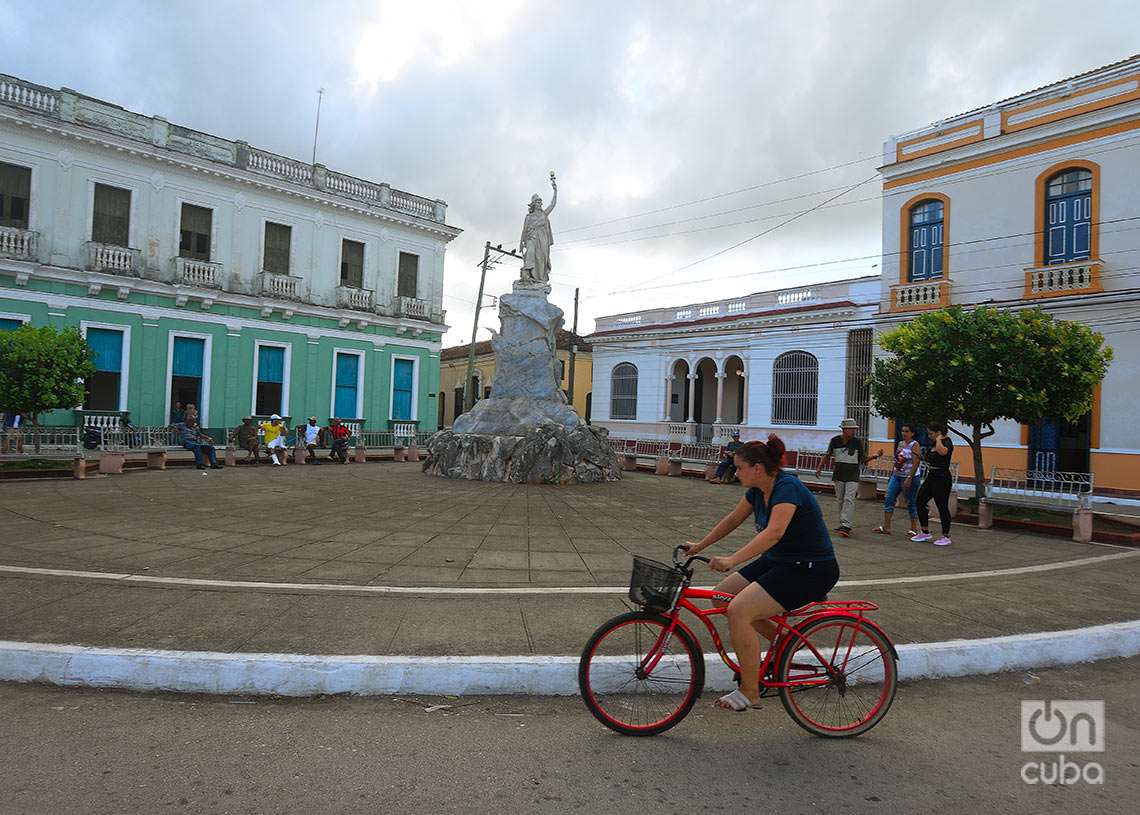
x=677 y=129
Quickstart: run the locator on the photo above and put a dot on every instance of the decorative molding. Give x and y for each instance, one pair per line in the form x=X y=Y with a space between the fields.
x=266 y=311
x=123 y=292
x=93 y=289
x=66 y=159
x=157 y=180
x=207 y=303
x=181 y=300
x=239 y=201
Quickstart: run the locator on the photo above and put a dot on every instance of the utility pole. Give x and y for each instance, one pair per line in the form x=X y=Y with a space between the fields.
x=573 y=350
x=468 y=394
x=317 y=129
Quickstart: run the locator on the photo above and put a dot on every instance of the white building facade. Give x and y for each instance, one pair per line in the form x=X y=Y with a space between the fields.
x=1031 y=201
x=791 y=361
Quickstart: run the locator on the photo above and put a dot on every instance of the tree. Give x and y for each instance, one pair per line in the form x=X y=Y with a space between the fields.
x=43 y=369
x=980 y=365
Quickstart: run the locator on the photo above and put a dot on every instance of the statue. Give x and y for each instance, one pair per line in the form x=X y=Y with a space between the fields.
x=536 y=239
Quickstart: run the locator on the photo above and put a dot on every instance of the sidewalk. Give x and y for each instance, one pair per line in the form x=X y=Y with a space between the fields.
x=325 y=542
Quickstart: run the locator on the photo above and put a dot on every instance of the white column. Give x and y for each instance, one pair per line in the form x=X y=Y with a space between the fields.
x=668 y=415
x=719 y=399
x=744 y=383
x=692 y=396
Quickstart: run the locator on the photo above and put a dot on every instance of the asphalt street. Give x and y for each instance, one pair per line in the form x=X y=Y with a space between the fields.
x=946 y=746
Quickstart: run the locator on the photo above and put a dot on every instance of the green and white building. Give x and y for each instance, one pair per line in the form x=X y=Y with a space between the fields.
x=208 y=271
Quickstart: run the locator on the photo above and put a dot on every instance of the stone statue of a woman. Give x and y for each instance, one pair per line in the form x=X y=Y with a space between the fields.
x=534 y=245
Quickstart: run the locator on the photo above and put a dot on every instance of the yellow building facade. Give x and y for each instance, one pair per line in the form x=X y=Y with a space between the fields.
x=453 y=370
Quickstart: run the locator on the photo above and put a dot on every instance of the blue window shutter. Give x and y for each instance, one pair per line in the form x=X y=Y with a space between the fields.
x=188 y=356
x=347 y=369
x=270 y=364
x=402 y=381
x=108 y=348
x=7 y=324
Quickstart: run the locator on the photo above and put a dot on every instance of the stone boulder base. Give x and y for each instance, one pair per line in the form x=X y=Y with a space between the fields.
x=544 y=454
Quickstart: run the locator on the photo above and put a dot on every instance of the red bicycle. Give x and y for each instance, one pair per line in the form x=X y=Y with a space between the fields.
x=834 y=669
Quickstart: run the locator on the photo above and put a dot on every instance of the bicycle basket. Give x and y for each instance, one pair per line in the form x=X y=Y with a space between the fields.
x=654 y=585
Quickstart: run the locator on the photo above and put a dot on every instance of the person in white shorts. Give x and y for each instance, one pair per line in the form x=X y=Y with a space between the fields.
x=274 y=432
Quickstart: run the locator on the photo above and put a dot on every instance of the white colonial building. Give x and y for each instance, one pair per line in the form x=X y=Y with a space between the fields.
x=793 y=361
x=1031 y=201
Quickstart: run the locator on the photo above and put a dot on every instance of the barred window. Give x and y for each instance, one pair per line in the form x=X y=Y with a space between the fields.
x=623 y=392
x=795 y=388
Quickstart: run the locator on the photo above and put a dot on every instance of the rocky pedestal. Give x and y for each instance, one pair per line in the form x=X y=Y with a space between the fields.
x=525 y=432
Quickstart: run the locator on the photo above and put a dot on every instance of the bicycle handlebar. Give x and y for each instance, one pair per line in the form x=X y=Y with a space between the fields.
x=687 y=566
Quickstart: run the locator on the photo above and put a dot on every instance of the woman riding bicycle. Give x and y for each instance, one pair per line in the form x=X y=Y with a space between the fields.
x=796 y=563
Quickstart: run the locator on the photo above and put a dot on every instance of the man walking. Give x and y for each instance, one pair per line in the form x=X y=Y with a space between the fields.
x=850 y=453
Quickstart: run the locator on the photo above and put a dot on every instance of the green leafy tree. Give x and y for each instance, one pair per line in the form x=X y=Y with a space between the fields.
x=974 y=367
x=43 y=369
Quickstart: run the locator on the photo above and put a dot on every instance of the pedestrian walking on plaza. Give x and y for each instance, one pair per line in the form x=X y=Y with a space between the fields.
x=936 y=486
x=726 y=466
x=904 y=480
x=339 y=434
x=274 y=433
x=850 y=454
x=311 y=434
x=244 y=437
x=197 y=442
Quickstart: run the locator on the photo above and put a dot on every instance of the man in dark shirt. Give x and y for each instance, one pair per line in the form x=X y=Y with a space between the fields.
x=726 y=466
x=197 y=442
x=244 y=437
x=850 y=454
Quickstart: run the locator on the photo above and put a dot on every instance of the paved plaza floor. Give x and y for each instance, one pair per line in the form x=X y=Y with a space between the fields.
x=298 y=559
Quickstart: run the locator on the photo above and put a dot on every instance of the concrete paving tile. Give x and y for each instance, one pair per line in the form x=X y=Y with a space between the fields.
x=272 y=569
x=207 y=621
x=492 y=577
x=490 y=559
x=266 y=546
x=503 y=544
x=406 y=575
x=448 y=541
x=407 y=538
x=91 y=618
x=551 y=545
x=445 y=626
x=343 y=570
x=606 y=563
x=323 y=550
x=213 y=564
x=557 y=562
x=324 y=625
x=438 y=556
x=378 y=553
x=18 y=595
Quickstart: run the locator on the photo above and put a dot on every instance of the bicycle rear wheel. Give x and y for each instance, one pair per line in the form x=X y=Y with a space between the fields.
x=622 y=697
x=853 y=692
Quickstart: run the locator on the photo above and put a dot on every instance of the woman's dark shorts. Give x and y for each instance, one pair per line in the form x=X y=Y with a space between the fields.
x=793 y=584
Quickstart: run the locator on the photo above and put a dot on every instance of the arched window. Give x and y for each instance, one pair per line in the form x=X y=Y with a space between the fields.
x=795 y=388
x=926 y=241
x=623 y=392
x=1068 y=215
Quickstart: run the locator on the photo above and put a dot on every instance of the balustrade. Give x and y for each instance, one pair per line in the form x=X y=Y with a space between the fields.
x=411 y=307
x=282 y=287
x=200 y=273
x=280 y=166
x=924 y=295
x=102 y=257
x=27 y=95
x=1063 y=278
x=413 y=204
x=354 y=298
x=18 y=243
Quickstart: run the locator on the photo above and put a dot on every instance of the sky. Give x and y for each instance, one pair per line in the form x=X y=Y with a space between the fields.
x=677 y=129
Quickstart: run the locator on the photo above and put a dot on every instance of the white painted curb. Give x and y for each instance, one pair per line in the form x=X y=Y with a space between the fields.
x=141 y=669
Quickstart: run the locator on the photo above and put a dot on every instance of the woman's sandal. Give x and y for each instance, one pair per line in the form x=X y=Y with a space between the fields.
x=736 y=702
x=878 y=530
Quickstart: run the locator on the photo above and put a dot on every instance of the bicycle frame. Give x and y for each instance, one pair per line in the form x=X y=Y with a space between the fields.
x=786 y=633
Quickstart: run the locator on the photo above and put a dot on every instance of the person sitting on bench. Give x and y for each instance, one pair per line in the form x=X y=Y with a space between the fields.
x=339 y=434
x=198 y=443
x=726 y=466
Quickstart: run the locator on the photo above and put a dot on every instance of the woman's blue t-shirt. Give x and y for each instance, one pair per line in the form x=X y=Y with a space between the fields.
x=806 y=538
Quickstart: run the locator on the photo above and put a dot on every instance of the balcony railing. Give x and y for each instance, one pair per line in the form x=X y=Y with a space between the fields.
x=103 y=257
x=271 y=164
x=411 y=307
x=200 y=273
x=280 y=286
x=1063 y=278
x=18 y=243
x=25 y=94
x=354 y=298
x=917 y=296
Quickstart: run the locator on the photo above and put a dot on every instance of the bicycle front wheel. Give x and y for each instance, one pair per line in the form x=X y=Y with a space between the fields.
x=622 y=696
x=853 y=691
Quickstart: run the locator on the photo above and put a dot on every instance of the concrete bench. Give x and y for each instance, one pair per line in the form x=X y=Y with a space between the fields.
x=1052 y=490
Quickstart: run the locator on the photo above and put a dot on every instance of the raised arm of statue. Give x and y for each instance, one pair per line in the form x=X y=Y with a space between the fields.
x=554 y=195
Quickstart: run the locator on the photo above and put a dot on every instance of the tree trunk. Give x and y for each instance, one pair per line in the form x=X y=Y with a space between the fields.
x=979 y=468
x=36 y=437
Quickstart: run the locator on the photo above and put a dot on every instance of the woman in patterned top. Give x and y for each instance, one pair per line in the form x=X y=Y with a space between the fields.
x=904 y=479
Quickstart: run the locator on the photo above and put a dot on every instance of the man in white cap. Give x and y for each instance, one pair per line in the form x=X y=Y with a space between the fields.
x=274 y=433
x=311 y=438
x=850 y=453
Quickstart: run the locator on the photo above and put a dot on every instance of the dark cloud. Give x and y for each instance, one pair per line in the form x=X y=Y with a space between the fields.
x=638 y=105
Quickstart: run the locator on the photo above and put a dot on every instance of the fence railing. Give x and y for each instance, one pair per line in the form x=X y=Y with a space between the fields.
x=18 y=243
x=1040 y=485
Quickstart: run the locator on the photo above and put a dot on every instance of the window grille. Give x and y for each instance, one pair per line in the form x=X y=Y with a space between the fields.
x=859 y=352
x=795 y=388
x=623 y=392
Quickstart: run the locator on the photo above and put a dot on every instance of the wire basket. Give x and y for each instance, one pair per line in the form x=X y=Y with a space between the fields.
x=654 y=585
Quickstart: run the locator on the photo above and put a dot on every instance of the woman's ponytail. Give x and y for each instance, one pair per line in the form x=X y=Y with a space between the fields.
x=769 y=454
